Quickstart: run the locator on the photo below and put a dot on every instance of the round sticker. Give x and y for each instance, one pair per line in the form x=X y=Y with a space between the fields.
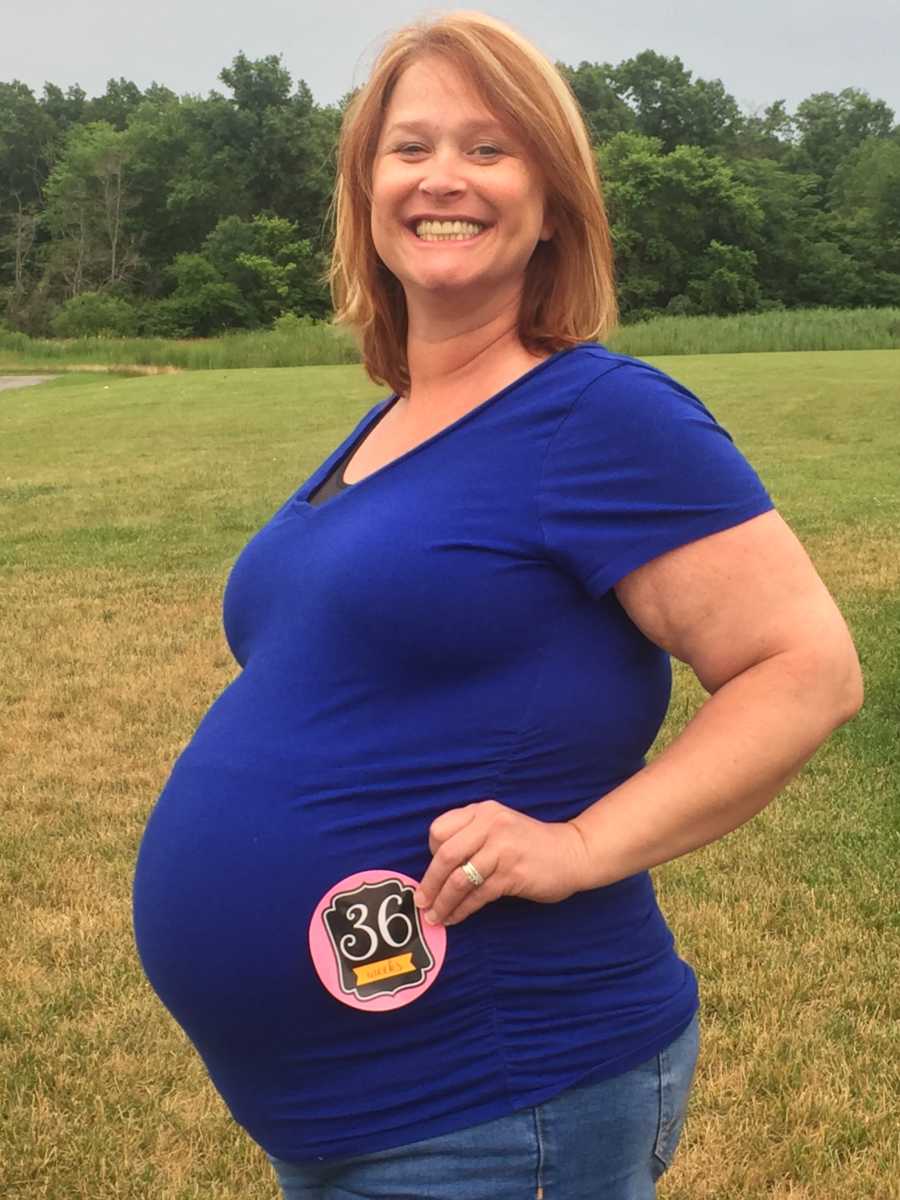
x=368 y=944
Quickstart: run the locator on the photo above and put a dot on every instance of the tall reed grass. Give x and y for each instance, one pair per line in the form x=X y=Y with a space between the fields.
x=742 y=333
x=323 y=344
x=318 y=344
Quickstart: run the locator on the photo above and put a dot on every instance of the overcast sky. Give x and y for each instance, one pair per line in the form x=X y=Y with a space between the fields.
x=762 y=51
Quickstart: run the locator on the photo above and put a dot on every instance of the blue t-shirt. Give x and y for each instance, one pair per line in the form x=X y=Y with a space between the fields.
x=442 y=632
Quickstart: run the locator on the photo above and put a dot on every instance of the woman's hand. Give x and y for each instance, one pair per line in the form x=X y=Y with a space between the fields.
x=515 y=854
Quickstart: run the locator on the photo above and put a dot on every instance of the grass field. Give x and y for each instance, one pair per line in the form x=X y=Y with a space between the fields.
x=123 y=503
x=321 y=344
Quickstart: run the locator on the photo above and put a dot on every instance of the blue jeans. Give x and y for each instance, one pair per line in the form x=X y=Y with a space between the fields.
x=595 y=1141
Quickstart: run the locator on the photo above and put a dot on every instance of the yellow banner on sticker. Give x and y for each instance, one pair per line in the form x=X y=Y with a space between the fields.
x=400 y=964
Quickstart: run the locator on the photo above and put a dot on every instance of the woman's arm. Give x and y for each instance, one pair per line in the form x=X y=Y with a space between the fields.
x=747 y=611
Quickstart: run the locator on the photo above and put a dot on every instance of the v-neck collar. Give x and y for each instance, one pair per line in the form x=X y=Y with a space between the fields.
x=358 y=436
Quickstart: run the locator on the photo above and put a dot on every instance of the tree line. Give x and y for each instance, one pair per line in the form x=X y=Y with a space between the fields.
x=152 y=213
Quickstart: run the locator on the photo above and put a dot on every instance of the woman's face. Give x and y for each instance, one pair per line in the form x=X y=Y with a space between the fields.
x=457 y=206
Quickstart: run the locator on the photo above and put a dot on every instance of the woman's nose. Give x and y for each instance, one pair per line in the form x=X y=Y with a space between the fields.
x=442 y=177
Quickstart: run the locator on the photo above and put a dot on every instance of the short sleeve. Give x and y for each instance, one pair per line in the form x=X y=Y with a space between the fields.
x=638 y=466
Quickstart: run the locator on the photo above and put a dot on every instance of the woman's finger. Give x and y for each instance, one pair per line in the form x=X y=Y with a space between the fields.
x=458 y=888
x=454 y=837
x=445 y=881
x=477 y=898
x=448 y=824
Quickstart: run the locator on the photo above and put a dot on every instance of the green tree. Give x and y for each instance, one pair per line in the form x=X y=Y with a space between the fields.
x=116 y=104
x=248 y=274
x=88 y=199
x=724 y=281
x=257 y=84
x=666 y=211
x=27 y=136
x=201 y=304
x=828 y=276
x=866 y=210
x=792 y=223
x=288 y=140
x=595 y=88
x=767 y=135
x=189 y=166
x=94 y=315
x=196 y=161
x=296 y=164
x=64 y=108
x=274 y=269
x=831 y=126
x=867 y=185
x=16 y=247
x=671 y=105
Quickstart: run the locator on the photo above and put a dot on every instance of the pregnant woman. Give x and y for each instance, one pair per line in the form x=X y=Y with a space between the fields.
x=396 y=889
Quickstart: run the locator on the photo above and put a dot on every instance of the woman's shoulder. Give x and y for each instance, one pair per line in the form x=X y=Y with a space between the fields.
x=604 y=379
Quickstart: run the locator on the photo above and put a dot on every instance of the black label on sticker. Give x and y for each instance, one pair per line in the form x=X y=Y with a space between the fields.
x=377 y=939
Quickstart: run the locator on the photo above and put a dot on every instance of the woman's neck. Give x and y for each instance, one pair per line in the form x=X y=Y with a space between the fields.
x=457 y=364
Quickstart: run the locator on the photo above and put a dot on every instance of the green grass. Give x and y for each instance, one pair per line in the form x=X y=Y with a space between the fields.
x=322 y=344
x=122 y=505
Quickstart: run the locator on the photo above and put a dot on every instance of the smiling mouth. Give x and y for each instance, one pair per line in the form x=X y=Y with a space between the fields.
x=447 y=231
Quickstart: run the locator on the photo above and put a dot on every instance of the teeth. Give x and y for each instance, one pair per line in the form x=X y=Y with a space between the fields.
x=453 y=231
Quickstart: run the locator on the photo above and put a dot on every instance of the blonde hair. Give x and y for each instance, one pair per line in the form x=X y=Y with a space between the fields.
x=569 y=293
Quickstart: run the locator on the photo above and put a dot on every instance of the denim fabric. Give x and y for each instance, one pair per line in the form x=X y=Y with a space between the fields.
x=610 y=1140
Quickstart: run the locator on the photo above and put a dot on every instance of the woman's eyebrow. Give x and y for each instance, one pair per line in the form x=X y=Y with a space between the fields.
x=468 y=128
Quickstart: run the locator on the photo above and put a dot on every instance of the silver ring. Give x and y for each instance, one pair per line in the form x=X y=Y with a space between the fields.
x=472 y=873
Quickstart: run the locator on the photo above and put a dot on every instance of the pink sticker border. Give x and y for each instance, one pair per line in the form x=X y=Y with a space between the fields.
x=322 y=952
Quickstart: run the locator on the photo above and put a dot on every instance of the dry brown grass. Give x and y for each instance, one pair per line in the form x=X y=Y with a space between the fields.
x=12 y=366
x=858 y=559
x=106 y=1097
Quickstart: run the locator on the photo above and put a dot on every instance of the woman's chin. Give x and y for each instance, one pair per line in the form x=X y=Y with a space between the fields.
x=448 y=285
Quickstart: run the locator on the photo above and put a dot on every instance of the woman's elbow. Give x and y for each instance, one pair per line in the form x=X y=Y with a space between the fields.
x=854 y=690
x=828 y=678
x=846 y=693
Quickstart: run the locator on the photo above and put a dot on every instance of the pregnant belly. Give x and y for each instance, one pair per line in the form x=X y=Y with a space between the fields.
x=230 y=870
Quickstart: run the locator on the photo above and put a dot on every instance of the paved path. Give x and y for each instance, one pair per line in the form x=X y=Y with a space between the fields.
x=14 y=381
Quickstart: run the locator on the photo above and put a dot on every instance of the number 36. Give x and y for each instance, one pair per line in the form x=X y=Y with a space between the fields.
x=384 y=922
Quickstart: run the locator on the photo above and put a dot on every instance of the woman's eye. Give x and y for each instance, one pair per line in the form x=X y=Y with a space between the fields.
x=486 y=151
x=411 y=148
